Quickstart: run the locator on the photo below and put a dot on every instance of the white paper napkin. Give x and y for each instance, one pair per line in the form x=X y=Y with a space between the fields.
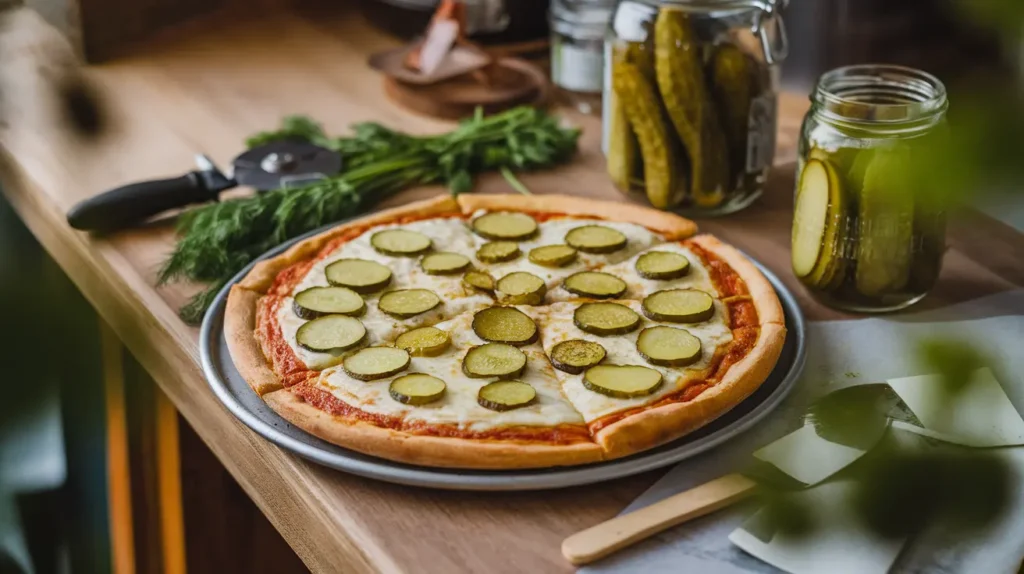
x=807 y=457
x=838 y=543
x=978 y=415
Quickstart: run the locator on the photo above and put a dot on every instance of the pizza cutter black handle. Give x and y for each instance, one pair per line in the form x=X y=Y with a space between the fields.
x=130 y=204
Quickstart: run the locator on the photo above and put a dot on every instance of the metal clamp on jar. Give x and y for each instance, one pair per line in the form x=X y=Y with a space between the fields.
x=691 y=100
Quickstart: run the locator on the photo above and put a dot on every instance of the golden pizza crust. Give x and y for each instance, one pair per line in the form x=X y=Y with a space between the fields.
x=659 y=425
x=427 y=450
x=672 y=226
x=769 y=308
x=240 y=322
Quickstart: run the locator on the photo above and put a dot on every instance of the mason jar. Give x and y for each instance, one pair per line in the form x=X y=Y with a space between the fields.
x=577 y=50
x=868 y=233
x=691 y=101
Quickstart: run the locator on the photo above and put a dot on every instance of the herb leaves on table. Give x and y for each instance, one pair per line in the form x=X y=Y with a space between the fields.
x=217 y=241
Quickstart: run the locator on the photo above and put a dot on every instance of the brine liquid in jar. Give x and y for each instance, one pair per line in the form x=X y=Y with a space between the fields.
x=867 y=234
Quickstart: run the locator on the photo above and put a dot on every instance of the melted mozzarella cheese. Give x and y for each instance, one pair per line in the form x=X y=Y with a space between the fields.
x=557 y=325
x=552 y=232
x=448 y=234
x=459 y=405
x=380 y=327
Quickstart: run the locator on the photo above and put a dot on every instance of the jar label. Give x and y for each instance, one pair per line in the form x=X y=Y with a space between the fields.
x=577 y=69
x=761 y=130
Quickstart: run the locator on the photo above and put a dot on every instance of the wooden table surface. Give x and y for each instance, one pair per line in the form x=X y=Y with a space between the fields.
x=208 y=89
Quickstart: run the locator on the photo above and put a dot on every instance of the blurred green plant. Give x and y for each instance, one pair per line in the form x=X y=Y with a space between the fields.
x=900 y=487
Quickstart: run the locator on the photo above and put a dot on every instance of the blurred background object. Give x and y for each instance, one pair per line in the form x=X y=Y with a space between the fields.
x=488 y=21
x=932 y=35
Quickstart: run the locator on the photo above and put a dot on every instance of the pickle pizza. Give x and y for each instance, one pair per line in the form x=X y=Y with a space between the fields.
x=499 y=332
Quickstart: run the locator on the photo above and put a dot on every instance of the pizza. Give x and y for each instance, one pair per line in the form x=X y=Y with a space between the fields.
x=494 y=331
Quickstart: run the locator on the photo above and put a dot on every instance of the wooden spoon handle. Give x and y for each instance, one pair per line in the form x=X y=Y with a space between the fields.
x=619 y=532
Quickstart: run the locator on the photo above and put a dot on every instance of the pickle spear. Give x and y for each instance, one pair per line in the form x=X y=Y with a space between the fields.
x=639 y=99
x=689 y=105
x=886 y=221
x=622 y=144
x=732 y=81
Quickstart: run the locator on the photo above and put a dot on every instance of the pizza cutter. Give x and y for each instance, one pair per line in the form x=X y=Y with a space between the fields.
x=278 y=164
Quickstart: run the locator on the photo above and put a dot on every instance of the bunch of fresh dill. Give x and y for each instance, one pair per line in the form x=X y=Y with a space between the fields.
x=217 y=241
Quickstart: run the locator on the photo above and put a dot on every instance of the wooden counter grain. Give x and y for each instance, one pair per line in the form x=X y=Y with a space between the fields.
x=205 y=92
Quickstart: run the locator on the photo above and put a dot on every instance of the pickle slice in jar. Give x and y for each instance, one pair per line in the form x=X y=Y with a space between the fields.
x=479 y=280
x=417 y=389
x=576 y=355
x=662 y=265
x=679 y=306
x=664 y=184
x=521 y=288
x=497 y=252
x=886 y=224
x=406 y=303
x=319 y=301
x=400 y=242
x=817 y=220
x=594 y=284
x=359 y=275
x=506 y=395
x=595 y=239
x=622 y=381
x=605 y=319
x=552 y=255
x=668 y=346
x=424 y=342
x=374 y=363
x=444 y=263
x=505 y=226
x=494 y=360
x=505 y=325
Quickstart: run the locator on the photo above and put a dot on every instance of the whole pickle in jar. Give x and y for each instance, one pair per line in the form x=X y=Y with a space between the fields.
x=732 y=80
x=623 y=153
x=640 y=102
x=641 y=54
x=688 y=103
x=885 y=224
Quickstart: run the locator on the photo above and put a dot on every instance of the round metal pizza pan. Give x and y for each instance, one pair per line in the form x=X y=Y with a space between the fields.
x=232 y=390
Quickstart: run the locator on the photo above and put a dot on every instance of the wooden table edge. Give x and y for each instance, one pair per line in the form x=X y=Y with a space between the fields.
x=119 y=303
